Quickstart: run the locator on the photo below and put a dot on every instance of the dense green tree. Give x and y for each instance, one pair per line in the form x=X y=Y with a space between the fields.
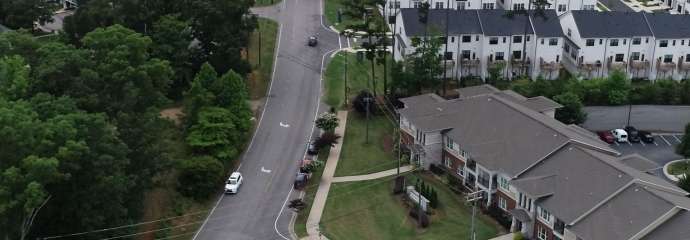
x=231 y=93
x=14 y=77
x=23 y=13
x=571 y=112
x=199 y=176
x=223 y=28
x=199 y=94
x=425 y=63
x=172 y=37
x=57 y=69
x=19 y=43
x=216 y=134
x=88 y=17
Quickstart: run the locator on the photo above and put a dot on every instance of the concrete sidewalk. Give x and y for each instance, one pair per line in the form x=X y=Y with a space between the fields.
x=325 y=184
x=372 y=176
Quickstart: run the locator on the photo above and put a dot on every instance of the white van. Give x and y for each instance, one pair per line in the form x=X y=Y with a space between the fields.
x=620 y=135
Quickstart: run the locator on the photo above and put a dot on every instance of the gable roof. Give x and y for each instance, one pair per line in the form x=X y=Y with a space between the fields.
x=672 y=228
x=594 y=24
x=664 y=25
x=490 y=22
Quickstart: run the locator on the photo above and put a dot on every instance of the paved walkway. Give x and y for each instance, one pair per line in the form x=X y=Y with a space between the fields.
x=508 y=236
x=325 y=184
x=372 y=176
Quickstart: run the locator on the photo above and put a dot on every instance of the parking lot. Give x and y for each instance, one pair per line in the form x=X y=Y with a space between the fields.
x=661 y=151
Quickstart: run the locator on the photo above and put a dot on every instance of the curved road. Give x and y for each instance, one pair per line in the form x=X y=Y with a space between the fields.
x=270 y=162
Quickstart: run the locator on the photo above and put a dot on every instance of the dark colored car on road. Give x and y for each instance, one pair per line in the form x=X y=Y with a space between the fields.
x=606 y=136
x=312 y=41
x=633 y=134
x=646 y=136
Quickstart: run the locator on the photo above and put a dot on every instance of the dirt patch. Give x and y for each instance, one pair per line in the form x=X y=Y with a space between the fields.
x=174 y=113
x=156 y=204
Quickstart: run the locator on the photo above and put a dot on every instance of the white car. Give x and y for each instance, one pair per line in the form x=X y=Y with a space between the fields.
x=620 y=135
x=232 y=185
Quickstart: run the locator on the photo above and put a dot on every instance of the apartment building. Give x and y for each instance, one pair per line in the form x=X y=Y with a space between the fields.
x=560 y=6
x=441 y=4
x=678 y=6
x=643 y=45
x=479 y=40
x=554 y=181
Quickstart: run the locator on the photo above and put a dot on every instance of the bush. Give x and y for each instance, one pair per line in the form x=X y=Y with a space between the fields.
x=571 y=112
x=327 y=139
x=199 y=177
x=327 y=121
x=518 y=236
x=684 y=182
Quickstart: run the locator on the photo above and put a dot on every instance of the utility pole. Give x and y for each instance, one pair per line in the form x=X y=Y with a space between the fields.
x=473 y=198
x=445 y=70
x=367 y=100
x=629 y=111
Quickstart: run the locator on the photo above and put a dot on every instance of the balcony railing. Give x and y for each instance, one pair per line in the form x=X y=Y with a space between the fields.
x=549 y=66
x=666 y=66
x=684 y=66
x=484 y=181
x=469 y=62
x=617 y=65
x=636 y=64
x=589 y=66
x=520 y=62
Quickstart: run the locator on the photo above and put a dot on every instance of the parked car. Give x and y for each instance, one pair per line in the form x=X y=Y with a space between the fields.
x=232 y=185
x=620 y=135
x=633 y=134
x=312 y=41
x=606 y=136
x=311 y=149
x=646 y=136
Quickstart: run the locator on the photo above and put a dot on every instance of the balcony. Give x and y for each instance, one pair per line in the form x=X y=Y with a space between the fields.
x=483 y=180
x=515 y=62
x=549 y=66
x=589 y=66
x=469 y=63
x=665 y=66
x=684 y=66
x=639 y=64
x=617 y=65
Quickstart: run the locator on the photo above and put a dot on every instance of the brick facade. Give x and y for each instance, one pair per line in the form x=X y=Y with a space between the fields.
x=406 y=138
x=549 y=232
x=455 y=164
x=510 y=203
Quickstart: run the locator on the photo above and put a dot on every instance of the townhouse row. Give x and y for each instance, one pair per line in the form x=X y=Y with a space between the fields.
x=560 y=6
x=586 y=43
x=479 y=40
x=553 y=181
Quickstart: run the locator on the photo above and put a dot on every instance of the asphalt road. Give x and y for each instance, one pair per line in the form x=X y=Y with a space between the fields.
x=654 y=118
x=616 y=5
x=270 y=162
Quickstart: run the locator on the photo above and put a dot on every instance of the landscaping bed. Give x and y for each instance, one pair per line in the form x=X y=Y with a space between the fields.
x=369 y=210
x=679 y=167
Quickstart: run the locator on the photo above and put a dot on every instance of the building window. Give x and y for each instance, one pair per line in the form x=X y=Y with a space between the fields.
x=527 y=39
x=488 y=6
x=646 y=40
x=553 y=41
x=544 y=215
x=503 y=203
x=636 y=41
x=682 y=42
x=625 y=41
x=613 y=42
x=635 y=56
x=449 y=143
x=542 y=41
x=476 y=38
x=562 y=8
x=452 y=39
x=448 y=162
x=674 y=42
x=588 y=7
x=493 y=40
x=570 y=32
x=541 y=233
x=500 y=56
x=519 y=6
x=466 y=38
x=461 y=171
x=590 y=42
x=663 y=43
x=668 y=58
x=517 y=39
x=503 y=183
x=439 y=5
x=601 y=41
x=416 y=4
x=466 y=54
x=619 y=57
x=566 y=48
x=517 y=55
x=504 y=39
x=687 y=58
x=449 y=56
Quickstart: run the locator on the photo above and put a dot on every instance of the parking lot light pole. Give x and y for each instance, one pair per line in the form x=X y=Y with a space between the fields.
x=629 y=110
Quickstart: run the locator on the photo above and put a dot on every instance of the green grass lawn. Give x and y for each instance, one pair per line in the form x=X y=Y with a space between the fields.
x=368 y=210
x=358 y=78
x=262 y=70
x=331 y=12
x=310 y=191
x=261 y=3
x=358 y=157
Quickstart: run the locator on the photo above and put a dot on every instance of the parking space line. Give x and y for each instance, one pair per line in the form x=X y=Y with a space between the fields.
x=677 y=139
x=616 y=142
x=656 y=144
x=642 y=142
x=629 y=143
x=663 y=138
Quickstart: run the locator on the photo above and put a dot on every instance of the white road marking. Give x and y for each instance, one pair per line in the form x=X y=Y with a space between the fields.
x=677 y=139
x=642 y=142
x=616 y=142
x=629 y=143
x=285 y=125
x=340 y=43
x=663 y=138
x=265 y=170
x=348 y=43
x=655 y=143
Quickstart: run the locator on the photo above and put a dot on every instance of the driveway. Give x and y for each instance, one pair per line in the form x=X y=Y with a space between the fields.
x=270 y=162
x=654 y=118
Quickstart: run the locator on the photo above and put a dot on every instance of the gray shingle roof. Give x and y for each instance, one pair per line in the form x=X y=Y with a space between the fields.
x=666 y=25
x=672 y=228
x=490 y=22
x=594 y=24
x=499 y=132
x=639 y=162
